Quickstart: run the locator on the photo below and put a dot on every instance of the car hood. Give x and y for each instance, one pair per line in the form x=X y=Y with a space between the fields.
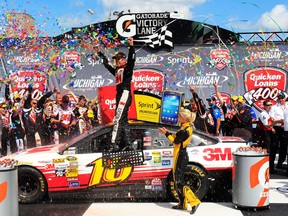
x=36 y=151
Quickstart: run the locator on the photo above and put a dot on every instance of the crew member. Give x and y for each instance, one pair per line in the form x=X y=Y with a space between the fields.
x=196 y=105
x=280 y=140
x=265 y=125
x=216 y=115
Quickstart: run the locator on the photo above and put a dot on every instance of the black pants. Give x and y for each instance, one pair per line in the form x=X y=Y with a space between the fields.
x=121 y=129
x=45 y=135
x=181 y=163
x=281 y=143
x=267 y=141
x=17 y=134
x=4 y=141
x=31 y=140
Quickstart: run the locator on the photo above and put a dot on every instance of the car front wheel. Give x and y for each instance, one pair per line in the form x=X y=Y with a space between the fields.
x=195 y=178
x=32 y=186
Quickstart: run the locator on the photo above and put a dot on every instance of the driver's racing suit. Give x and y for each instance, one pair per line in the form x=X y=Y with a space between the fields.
x=123 y=78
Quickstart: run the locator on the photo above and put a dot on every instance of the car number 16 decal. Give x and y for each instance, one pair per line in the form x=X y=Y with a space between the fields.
x=101 y=174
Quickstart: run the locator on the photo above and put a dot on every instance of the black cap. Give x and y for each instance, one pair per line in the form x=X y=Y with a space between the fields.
x=82 y=97
x=211 y=99
x=119 y=55
x=65 y=99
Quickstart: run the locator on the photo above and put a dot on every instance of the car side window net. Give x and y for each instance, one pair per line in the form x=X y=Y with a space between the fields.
x=159 y=140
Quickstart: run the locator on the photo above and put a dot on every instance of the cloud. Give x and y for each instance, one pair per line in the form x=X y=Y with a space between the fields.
x=76 y=3
x=82 y=17
x=69 y=21
x=276 y=19
x=138 y=6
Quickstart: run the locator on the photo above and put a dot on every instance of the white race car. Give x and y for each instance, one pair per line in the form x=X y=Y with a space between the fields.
x=83 y=166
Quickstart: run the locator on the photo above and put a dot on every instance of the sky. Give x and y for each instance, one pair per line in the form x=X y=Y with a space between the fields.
x=54 y=17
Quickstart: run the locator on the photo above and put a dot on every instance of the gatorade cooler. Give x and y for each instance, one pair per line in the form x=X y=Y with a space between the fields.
x=250 y=179
x=9 y=191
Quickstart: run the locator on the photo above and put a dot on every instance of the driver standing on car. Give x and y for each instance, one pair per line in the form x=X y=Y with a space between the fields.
x=123 y=73
x=181 y=140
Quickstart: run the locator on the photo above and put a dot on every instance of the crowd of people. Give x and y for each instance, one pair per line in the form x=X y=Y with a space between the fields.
x=27 y=122
x=236 y=118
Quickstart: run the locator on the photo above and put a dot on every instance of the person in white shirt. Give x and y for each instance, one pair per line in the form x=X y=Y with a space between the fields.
x=280 y=142
x=285 y=122
x=267 y=132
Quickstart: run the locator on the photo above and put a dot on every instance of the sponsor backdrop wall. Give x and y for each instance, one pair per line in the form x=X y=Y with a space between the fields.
x=257 y=72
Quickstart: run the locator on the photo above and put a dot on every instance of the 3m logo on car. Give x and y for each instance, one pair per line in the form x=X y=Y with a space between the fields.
x=217 y=154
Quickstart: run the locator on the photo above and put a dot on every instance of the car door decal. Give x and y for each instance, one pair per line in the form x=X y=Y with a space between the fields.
x=104 y=175
x=217 y=154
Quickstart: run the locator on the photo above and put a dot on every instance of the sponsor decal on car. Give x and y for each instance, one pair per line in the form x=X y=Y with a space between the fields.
x=148 y=184
x=217 y=154
x=45 y=162
x=194 y=151
x=167 y=154
x=147 y=139
x=72 y=179
x=101 y=174
x=166 y=162
x=49 y=166
x=147 y=156
x=73 y=184
x=25 y=163
x=71 y=158
x=156 y=156
x=147 y=144
x=71 y=172
x=59 y=172
x=58 y=160
x=73 y=164
x=156 y=184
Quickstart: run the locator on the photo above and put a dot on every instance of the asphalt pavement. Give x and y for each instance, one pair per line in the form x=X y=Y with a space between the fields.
x=214 y=206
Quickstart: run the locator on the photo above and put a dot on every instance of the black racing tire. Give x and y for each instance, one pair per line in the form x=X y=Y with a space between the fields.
x=195 y=177
x=32 y=186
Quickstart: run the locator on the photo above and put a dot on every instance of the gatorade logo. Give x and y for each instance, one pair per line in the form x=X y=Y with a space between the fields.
x=3 y=191
x=126 y=26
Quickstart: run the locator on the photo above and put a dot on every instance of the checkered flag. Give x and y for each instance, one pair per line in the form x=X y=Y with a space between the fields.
x=248 y=96
x=157 y=40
